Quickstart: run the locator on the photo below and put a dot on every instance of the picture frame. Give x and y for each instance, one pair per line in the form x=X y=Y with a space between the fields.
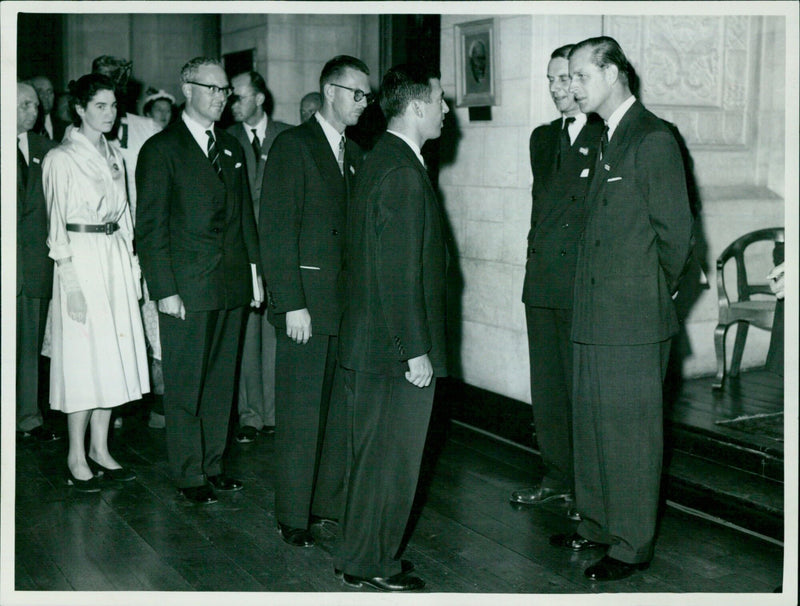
x=476 y=63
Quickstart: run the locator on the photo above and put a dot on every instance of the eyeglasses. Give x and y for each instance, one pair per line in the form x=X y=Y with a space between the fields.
x=236 y=98
x=214 y=89
x=358 y=94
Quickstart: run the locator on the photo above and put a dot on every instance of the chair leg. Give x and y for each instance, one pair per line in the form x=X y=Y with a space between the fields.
x=738 y=348
x=719 y=348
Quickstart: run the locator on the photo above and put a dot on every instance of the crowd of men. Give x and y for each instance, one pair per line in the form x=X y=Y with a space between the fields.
x=244 y=236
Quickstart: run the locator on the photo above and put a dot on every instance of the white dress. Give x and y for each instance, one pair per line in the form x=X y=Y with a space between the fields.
x=101 y=363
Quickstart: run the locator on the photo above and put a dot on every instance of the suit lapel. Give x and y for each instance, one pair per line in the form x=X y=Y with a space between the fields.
x=201 y=165
x=323 y=155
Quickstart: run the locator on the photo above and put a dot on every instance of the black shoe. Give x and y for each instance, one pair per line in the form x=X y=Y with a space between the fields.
x=574 y=541
x=223 y=483
x=202 y=495
x=610 y=569
x=121 y=474
x=246 y=434
x=296 y=537
x=41 y=434
x=573 y=514
x=406 y=565
x=90 y=485
x=267 y=430
x=399 y=582
x=538 y=495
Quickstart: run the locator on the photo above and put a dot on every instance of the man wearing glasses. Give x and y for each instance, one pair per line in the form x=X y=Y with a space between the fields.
x=301 y=230
x=198 y=247
x=255 y=131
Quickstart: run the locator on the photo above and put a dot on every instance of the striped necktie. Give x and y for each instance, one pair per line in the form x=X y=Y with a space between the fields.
x=213 y=153
x=340 y=157
x=564 y=142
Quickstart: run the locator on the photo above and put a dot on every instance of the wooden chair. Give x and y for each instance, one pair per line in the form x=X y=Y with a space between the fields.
x=744 y=311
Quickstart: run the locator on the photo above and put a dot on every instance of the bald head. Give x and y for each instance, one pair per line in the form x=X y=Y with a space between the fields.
x=27 y=107
x=45 y=91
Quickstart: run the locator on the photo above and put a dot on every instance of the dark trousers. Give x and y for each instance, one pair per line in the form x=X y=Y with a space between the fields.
x=387 y=424
x=31 y=318
x=309 y=431
x=618 y=442
x=550 y=349
x=199 y=371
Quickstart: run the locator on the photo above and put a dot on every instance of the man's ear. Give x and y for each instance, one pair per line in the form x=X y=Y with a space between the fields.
x=612 y=73
x=186 y=89
x=416 y=107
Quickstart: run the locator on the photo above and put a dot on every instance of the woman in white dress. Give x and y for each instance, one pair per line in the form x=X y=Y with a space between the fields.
x=98 y=357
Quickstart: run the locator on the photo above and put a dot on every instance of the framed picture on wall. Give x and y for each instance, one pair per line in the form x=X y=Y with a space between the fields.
x=476 y=61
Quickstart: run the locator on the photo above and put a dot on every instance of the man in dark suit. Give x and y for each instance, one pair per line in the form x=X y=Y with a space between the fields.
x=630 y=258
x=48 y=124
x=34 y=266
x=198 y=247
x=562 y=153
x=302 y=232
x=255 y=131
x=392 y=343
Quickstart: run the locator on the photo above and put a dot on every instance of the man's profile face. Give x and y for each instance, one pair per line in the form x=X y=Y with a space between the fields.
x=47 y=96
x=27 y=108
x=558 y=77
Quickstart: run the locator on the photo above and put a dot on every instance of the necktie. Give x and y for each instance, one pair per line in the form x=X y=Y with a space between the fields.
x=340 y=157
x=256 y=145
x=603 y=143
x=563 y=141
x=23 y=165
x=213 y=153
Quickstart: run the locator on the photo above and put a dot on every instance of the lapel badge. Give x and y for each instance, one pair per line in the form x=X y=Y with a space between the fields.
x=584 y=151
x=237 y=165
x=36 y=161
x=607 y=167
x=227 y=152
x=352 y=170
x=263 y=156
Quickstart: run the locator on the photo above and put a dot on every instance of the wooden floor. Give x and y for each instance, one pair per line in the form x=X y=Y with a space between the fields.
x=467 y=538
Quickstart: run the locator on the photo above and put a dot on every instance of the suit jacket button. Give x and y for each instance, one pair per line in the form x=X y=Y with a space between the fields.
x=563 y=253
x=215 y=230
x=533 y=251
x=335 y=232
x=565 y=226
x=573 y=198
x=592 y=281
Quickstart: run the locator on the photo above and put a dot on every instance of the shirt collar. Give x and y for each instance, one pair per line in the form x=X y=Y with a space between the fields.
x=331 y=134
x=614 y=119
x=198 y=131
x=261 y=128
x=574 y=129
x=24 y=147
x=414 y=147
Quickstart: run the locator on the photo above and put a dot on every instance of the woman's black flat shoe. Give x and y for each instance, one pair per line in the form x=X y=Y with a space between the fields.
x=121 y=474
x=91 y=485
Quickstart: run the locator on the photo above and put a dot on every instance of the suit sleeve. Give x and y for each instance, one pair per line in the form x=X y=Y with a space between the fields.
x=664 y=186
x=400 y=225
x=153 y=194
x=279 y=223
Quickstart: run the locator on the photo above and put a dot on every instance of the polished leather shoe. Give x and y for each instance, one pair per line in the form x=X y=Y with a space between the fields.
x=223 y=483
x=610 y=569
x=575 y=542
x=573 y=514
x=120 y=474
x=41 y=434
x=296 y=537
x=406 y=567
x=538 y=495
x=90 y=485
x=202 y=495
x=267 y=430
x=246 y=434
x=402 y=581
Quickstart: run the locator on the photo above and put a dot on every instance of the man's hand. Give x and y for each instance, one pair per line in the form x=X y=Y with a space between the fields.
x=420 y=371
x=776 y=281
x=172 y=306
x=298 y=325
x=258 y=294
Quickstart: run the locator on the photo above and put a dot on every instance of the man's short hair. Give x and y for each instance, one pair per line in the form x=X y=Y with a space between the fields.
x=405 y=83
x=607 y=51
x=562 y=52
x=190 y=68
x=336 y=66
x=260 y=86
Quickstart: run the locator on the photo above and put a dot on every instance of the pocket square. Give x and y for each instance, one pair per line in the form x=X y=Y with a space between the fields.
x=237 y=165
x=584 y=173
x=263 y=156
x=615 y=179
x=227 y=152
x=37 y=161
x=607 y=167
x=584 y=151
